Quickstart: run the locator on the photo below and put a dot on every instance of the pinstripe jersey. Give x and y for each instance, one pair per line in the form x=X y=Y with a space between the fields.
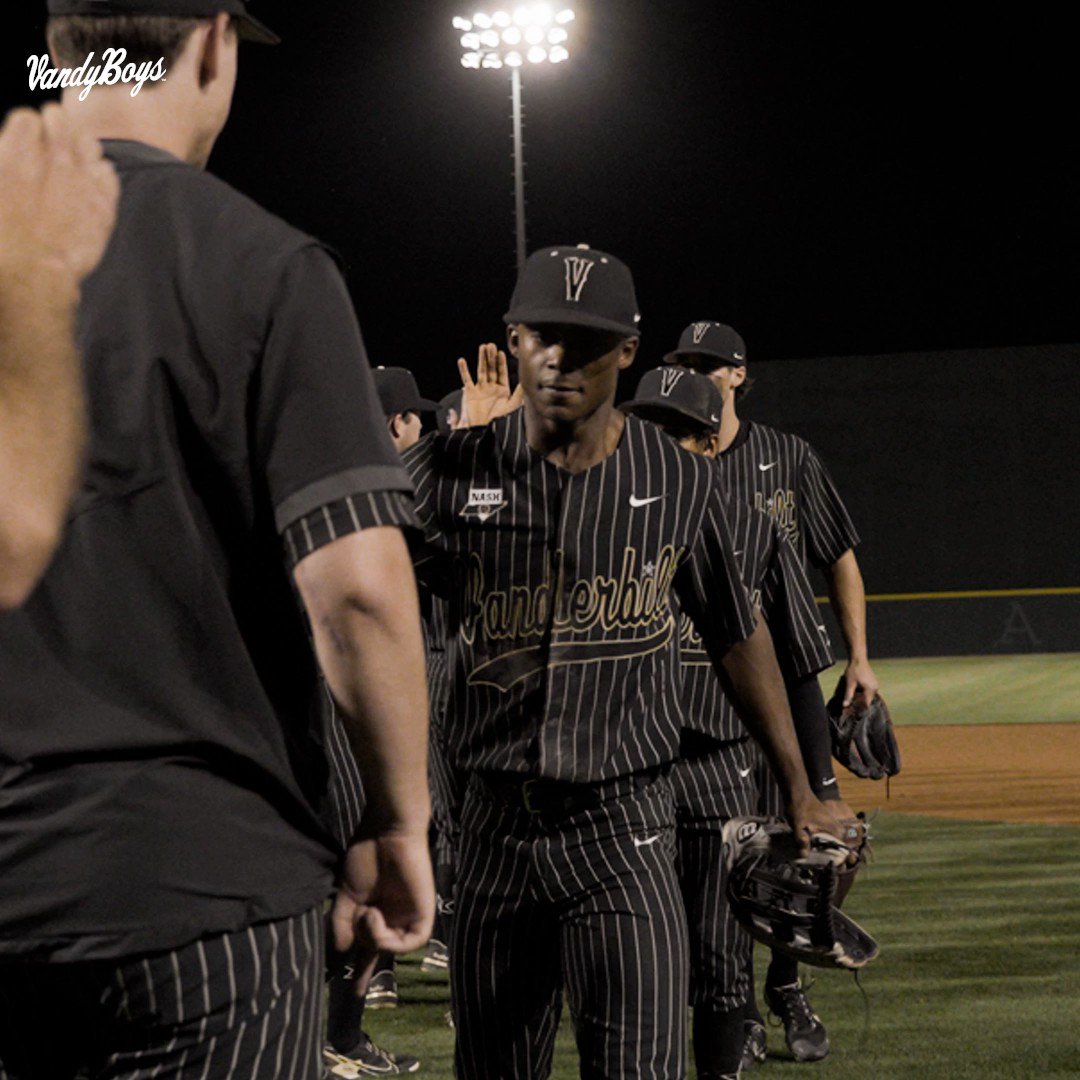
x=563 y=647
x=778 y=584
x=781 y=475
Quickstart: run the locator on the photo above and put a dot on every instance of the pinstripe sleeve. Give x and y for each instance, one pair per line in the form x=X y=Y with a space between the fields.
x=343 y=516
x=427 y=545
x=799 y=637
x=828 y=528
x=710 y=585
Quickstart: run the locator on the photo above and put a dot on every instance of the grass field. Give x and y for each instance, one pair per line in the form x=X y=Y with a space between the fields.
x=979 y=924
x=1042 y=688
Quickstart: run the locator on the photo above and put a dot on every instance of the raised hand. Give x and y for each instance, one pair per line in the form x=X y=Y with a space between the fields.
x=488 y=396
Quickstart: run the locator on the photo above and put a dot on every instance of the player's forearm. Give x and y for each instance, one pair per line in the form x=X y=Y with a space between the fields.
x=368 y=642
x=811 y=722
x=848 y=598
x=752 y=679
x=42 y=420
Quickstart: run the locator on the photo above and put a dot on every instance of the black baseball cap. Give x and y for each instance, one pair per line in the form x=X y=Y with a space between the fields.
x=575 y=286
x=248 y=27
x=398 y=392
x=711 y=339
x=665 y=393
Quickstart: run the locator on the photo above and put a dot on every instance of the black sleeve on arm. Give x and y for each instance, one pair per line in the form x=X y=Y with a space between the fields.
x=319 y=433
x=812 y=730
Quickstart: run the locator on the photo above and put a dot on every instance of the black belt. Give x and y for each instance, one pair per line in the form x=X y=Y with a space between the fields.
x=539 y=795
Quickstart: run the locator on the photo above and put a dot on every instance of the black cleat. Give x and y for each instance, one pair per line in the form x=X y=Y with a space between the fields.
x=436 y=958
x=367 y=1059
x=753 y=1052
x=804 y=1031
x=382 y=991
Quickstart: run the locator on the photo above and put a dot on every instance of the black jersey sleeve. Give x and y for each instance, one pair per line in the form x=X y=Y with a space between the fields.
x=428 y=546
x=828 y=527
x=318 y=430
x=709 y=584
x=799 y=636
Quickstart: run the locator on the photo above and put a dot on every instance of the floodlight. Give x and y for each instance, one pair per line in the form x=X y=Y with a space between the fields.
x=470 y=60
x=462 y=24
x=490 y=39
x=522 y=16
x=512 y=35
x=513 y=59
x=558 y=54
x=542 y=14
x=534 y=35
x=557 y=36
x=470 y=41
x=501 y=18
x=537 y=54
x=482 y=20
x=492 y=60
x=565 y=17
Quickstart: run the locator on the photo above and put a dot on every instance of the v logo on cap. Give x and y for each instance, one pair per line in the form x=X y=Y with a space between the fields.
x=577 y=273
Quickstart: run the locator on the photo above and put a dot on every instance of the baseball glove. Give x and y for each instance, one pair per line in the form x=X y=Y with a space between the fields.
x=863 y=740
x=787 y=901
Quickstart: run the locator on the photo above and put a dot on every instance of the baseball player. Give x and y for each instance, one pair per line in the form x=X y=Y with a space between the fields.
x=350 y=1051
x=163 y=863
x=57 y=207
x=714 y=778
x=781 y=474
x=561 y=535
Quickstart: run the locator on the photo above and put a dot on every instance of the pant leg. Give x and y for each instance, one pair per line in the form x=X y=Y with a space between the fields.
x=247 y=1004
x=710 y=789
x=610 y=873
x=505 y=981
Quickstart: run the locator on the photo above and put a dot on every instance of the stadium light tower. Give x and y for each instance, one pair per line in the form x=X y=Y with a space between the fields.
x=511 y=38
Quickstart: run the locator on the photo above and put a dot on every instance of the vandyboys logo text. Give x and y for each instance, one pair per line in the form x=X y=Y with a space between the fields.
x=108 y=72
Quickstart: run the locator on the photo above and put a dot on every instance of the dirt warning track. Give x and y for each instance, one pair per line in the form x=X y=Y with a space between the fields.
x=987 y=772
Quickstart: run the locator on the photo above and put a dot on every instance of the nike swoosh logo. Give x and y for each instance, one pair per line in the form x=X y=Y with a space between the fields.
x=714 y=419
x=645 y=843
x=744 y=773
x=635 y=502
x=822 y=628
x=828 y=783
x=766 y=468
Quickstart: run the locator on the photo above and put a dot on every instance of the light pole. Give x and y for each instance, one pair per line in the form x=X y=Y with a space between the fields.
x=532 y=33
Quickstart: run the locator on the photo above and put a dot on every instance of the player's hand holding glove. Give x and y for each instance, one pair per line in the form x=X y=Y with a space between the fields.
x=788 y=901
x=863 y=739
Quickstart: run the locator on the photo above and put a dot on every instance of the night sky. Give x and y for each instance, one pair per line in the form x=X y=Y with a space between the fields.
x=831 y=178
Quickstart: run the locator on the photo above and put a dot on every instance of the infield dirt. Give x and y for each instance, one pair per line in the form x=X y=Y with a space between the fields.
x=985 y=772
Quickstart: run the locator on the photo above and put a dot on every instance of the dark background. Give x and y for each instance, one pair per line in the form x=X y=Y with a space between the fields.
x=834 y=179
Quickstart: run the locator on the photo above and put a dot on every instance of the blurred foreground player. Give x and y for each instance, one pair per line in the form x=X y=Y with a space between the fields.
x=350 y=1051
x=57 y=208
x=163 y=866
x=714 y=779
x=781 y=475
x=561 y=534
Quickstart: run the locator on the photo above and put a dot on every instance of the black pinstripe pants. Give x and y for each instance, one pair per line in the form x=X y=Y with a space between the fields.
x=588 y=904
x=710 y=788
x=247 y=1004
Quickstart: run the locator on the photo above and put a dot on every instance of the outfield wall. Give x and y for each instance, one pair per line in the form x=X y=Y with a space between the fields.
x=960 y=469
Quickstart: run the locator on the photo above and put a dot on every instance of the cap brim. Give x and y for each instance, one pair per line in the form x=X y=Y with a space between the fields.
x=567 y=317
x=425 y=405
x=250 y=29
x=658 y=412
x=720 y=358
